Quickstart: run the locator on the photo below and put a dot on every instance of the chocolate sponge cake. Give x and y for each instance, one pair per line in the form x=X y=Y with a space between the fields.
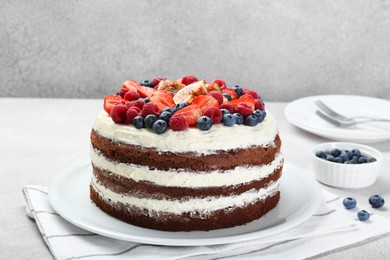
x=185 y=155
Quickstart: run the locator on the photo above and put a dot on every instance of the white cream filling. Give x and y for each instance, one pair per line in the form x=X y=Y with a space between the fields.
x=201 y=205
x=219 y=137
x=174 y=178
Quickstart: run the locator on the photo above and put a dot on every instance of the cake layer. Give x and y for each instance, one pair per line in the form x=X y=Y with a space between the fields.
x=218 y=138
x=188 y=221
x=144 y=189
x=182 y=178
x=223 y=160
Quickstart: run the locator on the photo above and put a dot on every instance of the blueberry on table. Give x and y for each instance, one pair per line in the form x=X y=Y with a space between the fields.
x=349 y=203
x=356 y=152
x=376 y=201
x=224 y=111
x=147 y=83
x=166 y=115
x=363 y=215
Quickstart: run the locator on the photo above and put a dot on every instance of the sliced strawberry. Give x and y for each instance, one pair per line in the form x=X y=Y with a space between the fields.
x=162 y=99
x=204 y=102
x=231 y=92
x=110 y=101
x=191 y=113
x=130 y=85
x=145 y=91
x=221 y=83
x=247 y=99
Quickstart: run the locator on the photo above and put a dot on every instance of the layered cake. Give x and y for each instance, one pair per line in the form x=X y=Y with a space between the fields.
x=185 y=155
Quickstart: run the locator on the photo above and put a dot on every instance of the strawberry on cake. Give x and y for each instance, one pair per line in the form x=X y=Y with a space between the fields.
x=185 y=155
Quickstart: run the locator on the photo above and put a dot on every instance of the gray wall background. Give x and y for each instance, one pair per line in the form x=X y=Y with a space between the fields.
x=283 y=49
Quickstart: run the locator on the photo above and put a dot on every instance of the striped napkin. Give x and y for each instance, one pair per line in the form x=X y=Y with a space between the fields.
x=329 y=228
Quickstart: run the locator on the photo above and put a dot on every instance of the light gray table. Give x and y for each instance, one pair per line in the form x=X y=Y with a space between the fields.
x=41 y=137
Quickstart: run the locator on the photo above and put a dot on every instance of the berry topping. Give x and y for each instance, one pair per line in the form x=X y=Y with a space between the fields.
x=160 y=126
x=231 y=92
x=191 y=114
x=156 y=81
x=376 y=201
x=251 y=120
x=227 y=96
x=131 y=114
x=239 y=118
x=187 y=80
x=204 y=102
x=228 y=120
x=259 y=104
x=204 y=123
x=349 y=203
x=260 y=114
x=131 y=95
x=214 y=114
x=363 y=215
x=118 y=113
x=228 y=107
x=130 y=85
x=150 y=109
x=238 y=90
x=188 y=93
x=149 y=120
x=145 y=92
x=221 y=83
x=162 y=99
x=123 y=92
x=139 y=122
x=147 y=83
x=243 y=99
x=178 y=123
x=187 y=102
x=251 y=92
x=244 y=109
x=110 y=101
x=166 y=115
x=138 y=103
x=180 y=106
x=217 y=95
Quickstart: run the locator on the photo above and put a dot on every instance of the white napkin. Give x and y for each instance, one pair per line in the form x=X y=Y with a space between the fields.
x=331 y=227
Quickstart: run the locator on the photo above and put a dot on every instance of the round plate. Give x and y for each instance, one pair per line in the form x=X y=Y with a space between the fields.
x=69 y=196
x=302 y=113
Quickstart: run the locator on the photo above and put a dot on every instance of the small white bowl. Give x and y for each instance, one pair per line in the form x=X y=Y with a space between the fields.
x=346 y=175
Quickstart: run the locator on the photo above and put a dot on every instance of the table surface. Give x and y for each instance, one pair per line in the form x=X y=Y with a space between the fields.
x=41 y=137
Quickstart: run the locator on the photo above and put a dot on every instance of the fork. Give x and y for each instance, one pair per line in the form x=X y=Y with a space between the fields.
x=344 y=123
x=330 y=113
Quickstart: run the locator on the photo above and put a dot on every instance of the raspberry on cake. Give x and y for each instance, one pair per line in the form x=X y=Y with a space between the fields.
x=181 y=159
